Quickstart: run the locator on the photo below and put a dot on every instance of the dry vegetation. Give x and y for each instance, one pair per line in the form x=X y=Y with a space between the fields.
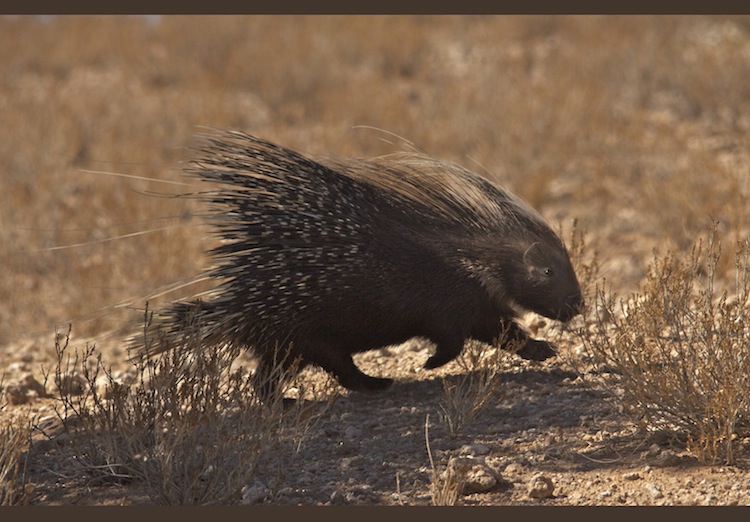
x=634 y=129
x=680 y=349
x=188 y=426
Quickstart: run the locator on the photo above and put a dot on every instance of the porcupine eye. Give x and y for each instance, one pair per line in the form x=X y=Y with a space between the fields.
x=541 y=273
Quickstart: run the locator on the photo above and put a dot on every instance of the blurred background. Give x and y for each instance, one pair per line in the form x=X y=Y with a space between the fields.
x=637 y=127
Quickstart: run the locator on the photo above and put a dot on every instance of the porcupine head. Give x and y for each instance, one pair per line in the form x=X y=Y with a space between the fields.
x=531 y=271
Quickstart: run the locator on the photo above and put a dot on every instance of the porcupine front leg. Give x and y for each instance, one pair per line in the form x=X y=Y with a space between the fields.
x=530 y=349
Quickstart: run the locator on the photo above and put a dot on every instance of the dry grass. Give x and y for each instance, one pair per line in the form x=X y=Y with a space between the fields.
x=15 y=438
x=678 y=351
x=189 y=429
x=465 y=395
x=445 y=486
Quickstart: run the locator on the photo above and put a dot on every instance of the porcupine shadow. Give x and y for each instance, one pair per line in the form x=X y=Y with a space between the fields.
x=323 y=259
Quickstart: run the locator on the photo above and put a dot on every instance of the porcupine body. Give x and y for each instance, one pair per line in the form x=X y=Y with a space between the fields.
x=321 y=259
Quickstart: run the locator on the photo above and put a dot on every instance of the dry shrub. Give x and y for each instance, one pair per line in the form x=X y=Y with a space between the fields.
x=585 y=259
x=190 y=428
x=14 y=445
x=445 y=487
x=679 y=349
x=15 y=438
x=465 y=395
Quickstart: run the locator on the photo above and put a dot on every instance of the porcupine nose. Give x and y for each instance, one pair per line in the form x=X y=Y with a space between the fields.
x=573 y=306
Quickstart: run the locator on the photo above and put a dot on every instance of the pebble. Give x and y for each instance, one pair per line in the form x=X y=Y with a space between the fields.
x=654 y=491
x=23 y=390
x=16 y=394
x=254 y=493
x=631 y=475
x=474 y=449
x=476 y=475
x=479 y=479
x=514 y=468
x=540 y=486
x=338 y=497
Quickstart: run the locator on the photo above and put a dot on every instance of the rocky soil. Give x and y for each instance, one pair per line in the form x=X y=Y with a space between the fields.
x=549 y=437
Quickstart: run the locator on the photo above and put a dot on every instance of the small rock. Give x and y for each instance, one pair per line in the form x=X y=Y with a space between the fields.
x=479 y=479
x=513 y=468
x=254 y=493
x=474 y=450
x=631 y=475
x=16 y=393
x=338 y=497
x=24 y=389
x=476 y=475
x=540 y=486
x=285 y=492
x=654 y=491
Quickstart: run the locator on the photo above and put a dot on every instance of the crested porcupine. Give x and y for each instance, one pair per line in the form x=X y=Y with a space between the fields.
x=321 y=259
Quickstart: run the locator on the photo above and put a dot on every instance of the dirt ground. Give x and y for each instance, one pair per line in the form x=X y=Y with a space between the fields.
x=371 y=449
x=635 y=126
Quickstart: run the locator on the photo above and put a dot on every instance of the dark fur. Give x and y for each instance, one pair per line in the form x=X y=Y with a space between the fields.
x=324 y=259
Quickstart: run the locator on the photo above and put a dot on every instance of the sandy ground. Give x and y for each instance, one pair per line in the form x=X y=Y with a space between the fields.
x=546 y=424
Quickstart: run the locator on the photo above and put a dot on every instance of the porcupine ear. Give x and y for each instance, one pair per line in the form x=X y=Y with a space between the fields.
x=528 y=251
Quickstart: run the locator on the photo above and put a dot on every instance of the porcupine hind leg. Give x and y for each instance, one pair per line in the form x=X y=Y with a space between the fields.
x=339 y=362
x=447 y=348
x=530 y=349
x=272 y=370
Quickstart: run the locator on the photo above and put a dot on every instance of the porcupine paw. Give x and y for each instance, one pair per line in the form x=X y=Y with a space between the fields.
x=535 y=350
x=367 y=384
x=380 y=383
x=436 y=361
